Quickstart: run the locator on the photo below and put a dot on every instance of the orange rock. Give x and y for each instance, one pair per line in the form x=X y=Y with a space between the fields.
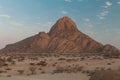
x=64 y=37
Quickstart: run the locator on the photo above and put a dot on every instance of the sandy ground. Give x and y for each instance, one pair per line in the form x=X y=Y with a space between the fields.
x=63 y=76
x=53 y=67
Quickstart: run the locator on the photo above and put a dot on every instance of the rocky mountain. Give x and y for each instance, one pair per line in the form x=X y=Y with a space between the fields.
x=64 y=37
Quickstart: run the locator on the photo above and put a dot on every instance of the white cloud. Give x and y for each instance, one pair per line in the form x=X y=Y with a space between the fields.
x=38 y=23
x=68 y=0
x=91 y=32
x=108 y=4
x=118 y=2
x=48 y=24
x=100 y=17
x=14 y=23
x=88 y=25
x=45 y=26
x=103 y=14
x=5 y=16
x=86 y=19
x=64 y=12
x=105 y=6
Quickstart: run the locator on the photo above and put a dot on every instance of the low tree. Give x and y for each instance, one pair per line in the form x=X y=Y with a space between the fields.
x=33 y=70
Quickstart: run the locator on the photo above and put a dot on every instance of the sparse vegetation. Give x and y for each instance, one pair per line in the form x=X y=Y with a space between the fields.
x=57 y=64
x=68 y=69
x=42 y=63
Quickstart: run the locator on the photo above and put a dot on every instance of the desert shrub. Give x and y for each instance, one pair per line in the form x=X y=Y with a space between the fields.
x=20 y=71
x=70 y=60
x=9 y=76
x=1 y=71
x=9 y=59
x=86 y=63
x=108 y=63
x=39 y=68
x=8 y=69
x=42 y=63
x=21 y=59
x=68 y=69
x=109 y=69
x=97 y=68
x=13 y=63
x=59 y=70
x=80 y=68
x=83 y=71
x=61 y=59
x=32 y=64
x=82 y=58
x=32 y=70
x=34 y=58
x=43 y=72
x=91 y=73
x=5 y=65
x=1 y=63
x=102 y=68
x=54 y=64
x=87 y=71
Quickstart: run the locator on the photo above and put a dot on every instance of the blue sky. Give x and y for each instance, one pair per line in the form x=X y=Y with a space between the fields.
x=19 y=19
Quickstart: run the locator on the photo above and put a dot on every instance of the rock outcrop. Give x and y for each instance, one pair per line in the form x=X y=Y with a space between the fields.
x=64 y=37
x=110 y=49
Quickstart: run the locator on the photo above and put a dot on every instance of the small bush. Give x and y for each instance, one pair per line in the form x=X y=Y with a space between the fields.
x=33 y=70
x=42 y=63
x=8 y=69
x=20 y=72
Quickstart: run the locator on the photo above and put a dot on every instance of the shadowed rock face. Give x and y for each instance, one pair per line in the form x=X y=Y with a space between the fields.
x=109 y=48
x=64 y=37
x=69 y=39
x=33 y=44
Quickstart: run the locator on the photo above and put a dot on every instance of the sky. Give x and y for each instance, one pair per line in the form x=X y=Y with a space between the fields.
x=19 y=19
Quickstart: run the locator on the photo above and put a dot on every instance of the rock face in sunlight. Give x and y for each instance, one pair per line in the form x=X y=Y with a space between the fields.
x=64 y=37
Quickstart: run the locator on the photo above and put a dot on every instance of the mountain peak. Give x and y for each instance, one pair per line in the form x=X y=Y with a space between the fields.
x=65 y=18
x=64 y=37
x=62 y=25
